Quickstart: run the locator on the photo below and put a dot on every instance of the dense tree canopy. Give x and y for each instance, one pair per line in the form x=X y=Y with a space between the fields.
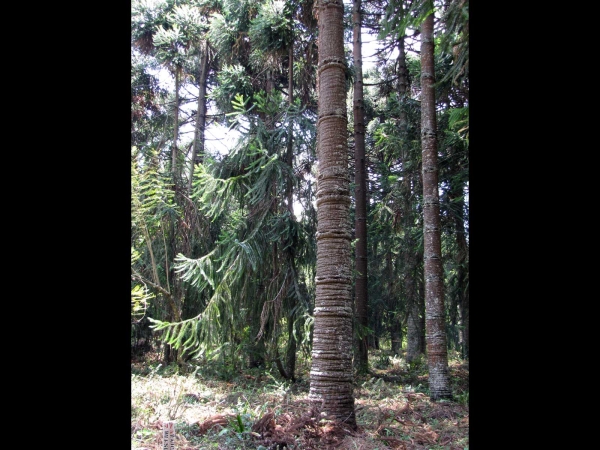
x=224 y=242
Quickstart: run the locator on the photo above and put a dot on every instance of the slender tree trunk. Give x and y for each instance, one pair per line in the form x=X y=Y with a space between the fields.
x=174 y=225
x=415 y=330
x=462 y=262
x=331 y=374
x=290 y=139
x=266 y=323
x=175 y=240
x=415 y=306
x=256 y=350
x=290 y=357
x=421 y=299
x=464 y=318
x=415 y=333
x=396 y=333
x=292 y=345
x=435 y=332
x=393 y=297
x=360 y=179
x=174 y=152
x=419 y=274
x=198 y=149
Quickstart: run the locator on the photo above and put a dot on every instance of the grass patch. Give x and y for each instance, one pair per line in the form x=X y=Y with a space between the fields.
x=257 y=409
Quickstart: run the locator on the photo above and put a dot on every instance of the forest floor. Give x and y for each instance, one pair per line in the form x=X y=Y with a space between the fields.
x=217 y=407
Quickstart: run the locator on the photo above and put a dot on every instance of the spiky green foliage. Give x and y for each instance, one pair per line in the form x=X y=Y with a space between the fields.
x=246 y=273
x=228 y=30
x=233 y=82
x=148 y=113
x=146 y=17
x=152 y=198
x=270 y=34
x=140 y=293
x=458 y=123
x=153 y=209
x=170 y=27
x=399 y=16
x=455 y=40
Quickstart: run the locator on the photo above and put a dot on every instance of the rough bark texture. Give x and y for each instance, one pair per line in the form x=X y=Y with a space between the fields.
x=414 y=295
x=331 y=374
x=435 y=332
x=360 y=180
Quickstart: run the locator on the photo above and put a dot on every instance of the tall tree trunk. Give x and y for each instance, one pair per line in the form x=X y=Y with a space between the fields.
x=331 y=374
x=415 y=326
x=413 y=281
x=256 y=348
x=415 y=333
x=420 y=279
x=415 y=305
x=463 y=290
x=413 y=348
x=267 y=323
x=290 y=138
x=290 y=357
x=462 y=262
x=175 y=224
x=393 y=297
x=435 y=331
x=174 y=151
x=292 y=344
x=464 y=318
x=396 y=333
x=174 y=247
x=360 y=179
x=198 y=149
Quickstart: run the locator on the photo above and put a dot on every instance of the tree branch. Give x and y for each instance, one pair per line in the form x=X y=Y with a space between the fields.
x=139 y=277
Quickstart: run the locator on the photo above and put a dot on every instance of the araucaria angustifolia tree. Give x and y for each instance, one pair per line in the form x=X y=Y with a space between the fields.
x=331 y=374
x=360 y=180
x=435 y=332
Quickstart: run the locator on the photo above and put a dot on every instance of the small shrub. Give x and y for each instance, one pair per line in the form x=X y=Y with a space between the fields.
x=462 y=398
x=382 y=362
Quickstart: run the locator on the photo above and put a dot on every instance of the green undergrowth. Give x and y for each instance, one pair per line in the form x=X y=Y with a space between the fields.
x=215 y=407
